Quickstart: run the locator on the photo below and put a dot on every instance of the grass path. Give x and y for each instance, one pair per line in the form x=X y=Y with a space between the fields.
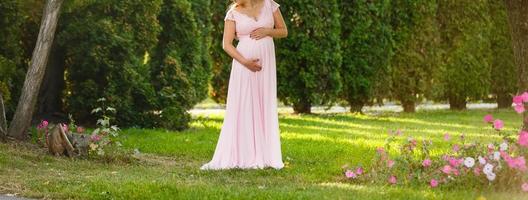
x=314 y=148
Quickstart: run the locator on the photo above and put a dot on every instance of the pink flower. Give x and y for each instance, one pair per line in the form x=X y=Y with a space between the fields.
x=456 y=148
x=523 y=139
x=427 y=162
x=520 y=163
x=524 y=187
x=95 y=137
x=455 y=162
x=43 y=124
x=412 y=141
x=488 y=118
x=455 y=172
x=65 y=127
x=395 y=133
x=477 y=171
x=434 y=183
x=350 y=174
x=498 y=124
x=380 y=150
x=447 y=137
x=392 y=180
x=518 y=100
x=491 y=147
x=515 y=163
x=519 y=108
x=446 y=169
x=390 y=163
x=80 y=129
x=359 y=171
x=524 y=97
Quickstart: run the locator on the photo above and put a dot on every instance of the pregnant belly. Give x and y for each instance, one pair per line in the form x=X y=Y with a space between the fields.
x=255 y=49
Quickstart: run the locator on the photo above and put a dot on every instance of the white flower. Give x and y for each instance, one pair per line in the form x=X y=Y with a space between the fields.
x=488 y=169
x=482 y=161
x=491 y=176
x=496 y=155
x=469 y=162
x=503 y=146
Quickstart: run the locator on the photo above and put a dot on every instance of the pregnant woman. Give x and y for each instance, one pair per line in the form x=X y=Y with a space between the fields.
x=250 y=138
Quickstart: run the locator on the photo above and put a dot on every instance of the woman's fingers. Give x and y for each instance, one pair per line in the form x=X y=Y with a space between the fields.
x=257 y=34
x=254 y=65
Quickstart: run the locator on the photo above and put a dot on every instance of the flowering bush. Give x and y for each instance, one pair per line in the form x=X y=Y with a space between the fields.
x=101 y=139
x=498 y=164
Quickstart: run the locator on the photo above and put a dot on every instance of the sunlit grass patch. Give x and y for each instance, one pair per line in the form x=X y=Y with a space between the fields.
x=314 y=148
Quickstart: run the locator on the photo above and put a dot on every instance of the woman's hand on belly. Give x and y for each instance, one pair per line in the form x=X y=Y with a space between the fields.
x=252 y=64
x=260 y=33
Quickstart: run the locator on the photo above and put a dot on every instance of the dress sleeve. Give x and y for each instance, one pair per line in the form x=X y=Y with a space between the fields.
x=230 y=16
x=274 y=5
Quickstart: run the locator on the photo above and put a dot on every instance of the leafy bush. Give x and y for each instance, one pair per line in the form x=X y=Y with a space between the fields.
x=106 y=45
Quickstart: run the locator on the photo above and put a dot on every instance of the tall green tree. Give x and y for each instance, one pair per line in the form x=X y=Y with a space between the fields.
x=179 y=72
x=203 y=15
x=415 y=50
x=504 y=78
x=310 y=57
x=465 y=72
x=221 y=61
x=518 y=22
x=366 y=43
x=11 y=52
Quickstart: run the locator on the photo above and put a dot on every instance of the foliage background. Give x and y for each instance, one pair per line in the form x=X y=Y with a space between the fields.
x=155 y=60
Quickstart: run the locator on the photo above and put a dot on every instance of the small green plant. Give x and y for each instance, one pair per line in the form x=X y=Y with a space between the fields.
x=105 y=133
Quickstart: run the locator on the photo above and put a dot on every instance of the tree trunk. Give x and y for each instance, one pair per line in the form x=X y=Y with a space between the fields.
x=518 y=21
x=28 y=98
x=457 y=103
x=3 y=120
x=504 y=101
x=49 y=99
x=409 y=106
x=304 y=106
x=356 y=106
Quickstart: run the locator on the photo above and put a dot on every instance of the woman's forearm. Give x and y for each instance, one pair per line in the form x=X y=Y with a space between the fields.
x=233 y=52
x=278 y=32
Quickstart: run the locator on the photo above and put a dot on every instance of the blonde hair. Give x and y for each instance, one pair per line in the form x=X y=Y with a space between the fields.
x=233 y=5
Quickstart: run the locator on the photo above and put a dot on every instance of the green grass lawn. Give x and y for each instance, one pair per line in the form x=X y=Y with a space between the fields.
x=314 y=149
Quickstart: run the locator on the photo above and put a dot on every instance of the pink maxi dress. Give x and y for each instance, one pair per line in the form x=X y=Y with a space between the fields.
x=250 y=138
